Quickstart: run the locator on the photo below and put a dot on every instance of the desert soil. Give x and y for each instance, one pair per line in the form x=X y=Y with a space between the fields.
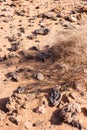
x=43 y=45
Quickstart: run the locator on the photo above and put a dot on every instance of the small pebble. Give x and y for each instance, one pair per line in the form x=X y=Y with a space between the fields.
x=39 y=76
x=41 y=109
x=21 y=89
x=30 y=37
x=72 y=19
x=27 y=124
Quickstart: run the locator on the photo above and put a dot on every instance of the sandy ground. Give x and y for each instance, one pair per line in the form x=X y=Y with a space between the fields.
x=66 y=22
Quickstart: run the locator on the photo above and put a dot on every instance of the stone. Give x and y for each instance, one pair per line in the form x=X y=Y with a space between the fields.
x=74 y=107
x=72 y=19
x=41 y=24
x=43 y=56
x=65 y=98
x=69 y=112
x=55 y=97
x=78 y=109
x=39 y=76
x=38 y=123
x=41 y=31
x=72 y=95
x=2 y=0
x=40 y=109
x=5 y=57
x=26 y=105
x=76 y=124
x=20 y=13
x=68 y=25
x=31 y=37
x=80 y=85
x=35 y=48
x=84 y=94
x=21 y=111
x=21 y=90
x=13 y=120
x=37 y=7
x=13 y=76
x=44 y=101
x=12 y=39
x=84 y=9
x=29 y=54
x=2 y=115
x=49 y=16
x=27 y=124
x=14 y=47
x=22 y=30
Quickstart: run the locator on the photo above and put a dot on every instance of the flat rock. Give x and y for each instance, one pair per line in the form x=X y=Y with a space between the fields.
x=41 y=31
x=27 y=124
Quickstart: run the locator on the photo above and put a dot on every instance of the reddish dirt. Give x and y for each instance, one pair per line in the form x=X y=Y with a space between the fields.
x=66 y=65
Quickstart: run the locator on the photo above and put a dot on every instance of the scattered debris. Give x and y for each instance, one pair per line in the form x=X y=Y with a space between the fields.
x=20 y=99
x=26 y=26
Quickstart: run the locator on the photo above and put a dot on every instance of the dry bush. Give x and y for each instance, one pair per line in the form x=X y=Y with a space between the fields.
x=69 y=51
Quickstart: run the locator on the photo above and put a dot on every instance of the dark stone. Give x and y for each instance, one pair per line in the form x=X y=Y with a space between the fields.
x=13 y=120
x=76 y=124
x=55 y=97
x=21 y=90
x=37 y=7
x=41 y=31
x=22 y=30
x=30 y=37
x=14 y=47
